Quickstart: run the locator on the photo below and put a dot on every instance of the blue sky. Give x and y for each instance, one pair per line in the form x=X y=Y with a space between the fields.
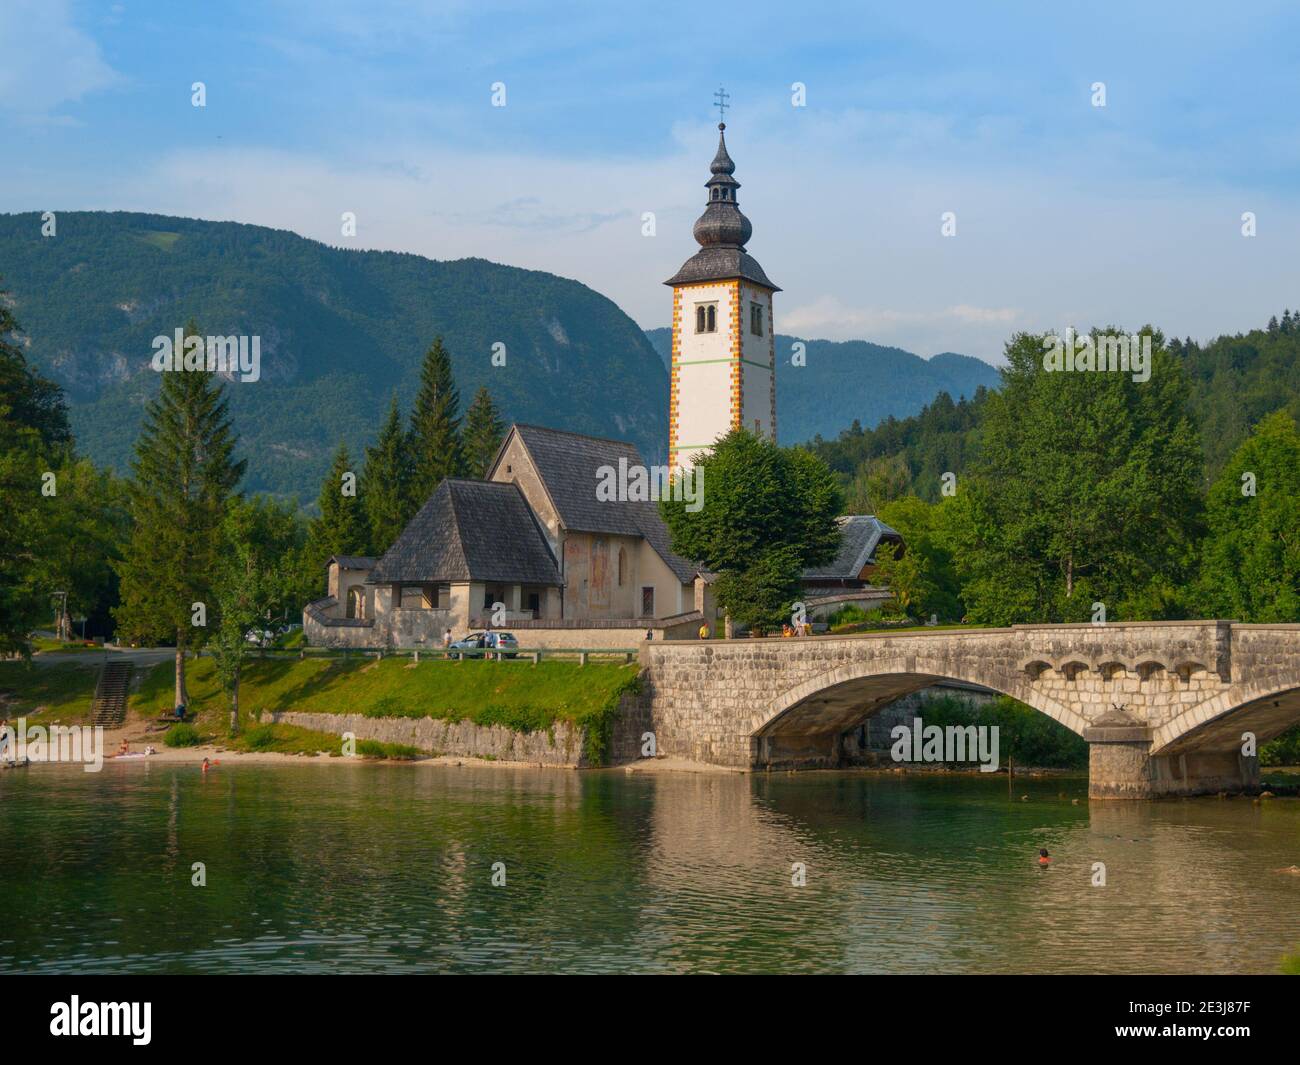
x=1066 y=213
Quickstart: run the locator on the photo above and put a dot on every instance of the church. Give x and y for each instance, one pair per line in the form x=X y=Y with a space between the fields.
x=534 y=547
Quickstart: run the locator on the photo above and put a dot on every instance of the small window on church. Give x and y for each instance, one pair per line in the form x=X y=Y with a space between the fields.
x=756 y=319
x=715 y=194
x=706 y=317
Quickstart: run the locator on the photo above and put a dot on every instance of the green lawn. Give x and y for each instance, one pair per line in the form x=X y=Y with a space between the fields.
x=519 y=695
x=57 y=693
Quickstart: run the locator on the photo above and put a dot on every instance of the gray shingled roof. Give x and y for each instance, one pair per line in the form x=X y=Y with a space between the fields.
x=722 y=232
x=721 y=263
x=319 y=610
x=567 y=464
x=470 y=531
x=352 y=561
x=860 y=533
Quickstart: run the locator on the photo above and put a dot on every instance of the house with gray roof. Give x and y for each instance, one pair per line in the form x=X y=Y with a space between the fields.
x=533 y=537
x=847 y=578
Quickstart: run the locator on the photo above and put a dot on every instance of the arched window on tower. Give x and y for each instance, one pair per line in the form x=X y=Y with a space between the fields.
x=713 y=318
x=706 y=317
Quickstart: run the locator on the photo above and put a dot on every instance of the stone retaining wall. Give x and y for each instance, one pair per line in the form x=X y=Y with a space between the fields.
x=563 y=745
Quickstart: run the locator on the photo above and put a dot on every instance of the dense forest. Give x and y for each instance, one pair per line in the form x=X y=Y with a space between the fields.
x=1233 y=382
x=1062 y=497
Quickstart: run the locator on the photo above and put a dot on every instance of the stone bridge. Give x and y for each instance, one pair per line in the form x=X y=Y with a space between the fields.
x=1163 y=705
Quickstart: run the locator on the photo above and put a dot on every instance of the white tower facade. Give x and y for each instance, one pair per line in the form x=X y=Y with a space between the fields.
x=723 y=373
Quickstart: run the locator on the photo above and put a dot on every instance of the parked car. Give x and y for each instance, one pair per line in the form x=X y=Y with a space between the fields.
x=471 y=642
x=504 y=642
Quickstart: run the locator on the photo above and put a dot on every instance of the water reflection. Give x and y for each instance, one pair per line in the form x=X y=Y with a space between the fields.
x=384 y=868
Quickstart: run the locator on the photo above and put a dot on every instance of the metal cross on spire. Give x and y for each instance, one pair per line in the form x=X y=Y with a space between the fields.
x=720 y=99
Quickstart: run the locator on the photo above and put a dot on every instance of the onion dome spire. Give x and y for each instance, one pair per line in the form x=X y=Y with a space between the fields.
x=722 y=224
x=722 y=231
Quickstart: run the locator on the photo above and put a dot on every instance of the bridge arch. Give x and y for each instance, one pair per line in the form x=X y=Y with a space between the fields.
x=840 y=699
x=1266 y=708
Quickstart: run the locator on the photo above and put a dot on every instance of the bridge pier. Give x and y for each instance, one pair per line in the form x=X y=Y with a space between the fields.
x=1121 y=766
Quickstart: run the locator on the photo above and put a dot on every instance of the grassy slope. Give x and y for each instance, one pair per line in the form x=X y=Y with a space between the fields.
x=518 y=695
x=57 y=692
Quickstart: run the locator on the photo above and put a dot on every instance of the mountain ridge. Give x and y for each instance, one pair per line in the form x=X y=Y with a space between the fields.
x=342 y=329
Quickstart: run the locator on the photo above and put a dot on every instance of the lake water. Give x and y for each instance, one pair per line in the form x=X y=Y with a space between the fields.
x=382 y=868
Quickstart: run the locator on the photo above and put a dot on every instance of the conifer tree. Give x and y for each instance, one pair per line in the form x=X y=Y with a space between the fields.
x=341 y=528
x=183 y=475
x=387 y=483
x=435 y=426
x=482 y=435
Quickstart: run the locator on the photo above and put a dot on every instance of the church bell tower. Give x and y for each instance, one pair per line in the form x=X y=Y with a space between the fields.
x=724 y=350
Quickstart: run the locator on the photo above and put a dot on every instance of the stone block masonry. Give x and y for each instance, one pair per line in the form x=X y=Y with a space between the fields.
x=563 y=745
x=1165 y=705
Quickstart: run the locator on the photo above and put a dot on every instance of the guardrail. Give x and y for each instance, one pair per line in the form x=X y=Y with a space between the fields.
x=532 y=655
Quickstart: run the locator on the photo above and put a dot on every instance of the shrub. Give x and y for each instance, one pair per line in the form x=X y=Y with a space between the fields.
x=1027 y=735
x=181 y=735
x=400 y=751
x=1285 y=750
x=259 y=738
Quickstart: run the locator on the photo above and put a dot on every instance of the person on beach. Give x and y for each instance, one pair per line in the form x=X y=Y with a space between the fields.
x=1043 y=857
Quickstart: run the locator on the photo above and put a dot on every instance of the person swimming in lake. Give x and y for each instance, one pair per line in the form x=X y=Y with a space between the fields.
x=206 y=765
x=1043 y=857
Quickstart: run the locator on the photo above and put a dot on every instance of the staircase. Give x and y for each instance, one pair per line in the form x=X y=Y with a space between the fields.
x=109 y=706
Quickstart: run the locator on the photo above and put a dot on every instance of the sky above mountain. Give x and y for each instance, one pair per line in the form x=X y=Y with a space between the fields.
x=1066 y=213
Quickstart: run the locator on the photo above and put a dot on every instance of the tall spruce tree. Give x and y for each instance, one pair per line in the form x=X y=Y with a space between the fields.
x=183 y=475
x=482 y=434
x=386 y=480
x=435 y=425
x=341 y=528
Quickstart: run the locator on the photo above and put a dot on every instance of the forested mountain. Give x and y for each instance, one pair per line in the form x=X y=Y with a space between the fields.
x=1233 y=383
x=904 y=456
x=1237 y=380
x=341 y=331
x=854 y=380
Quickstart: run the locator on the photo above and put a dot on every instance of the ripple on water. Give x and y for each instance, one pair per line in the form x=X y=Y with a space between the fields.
x=388 y=869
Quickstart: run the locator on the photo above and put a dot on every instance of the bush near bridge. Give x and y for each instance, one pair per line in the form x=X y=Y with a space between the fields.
x=1027 y=735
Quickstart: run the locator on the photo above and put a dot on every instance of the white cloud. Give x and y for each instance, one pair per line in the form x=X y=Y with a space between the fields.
x=47 y=61
x=855 y=246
